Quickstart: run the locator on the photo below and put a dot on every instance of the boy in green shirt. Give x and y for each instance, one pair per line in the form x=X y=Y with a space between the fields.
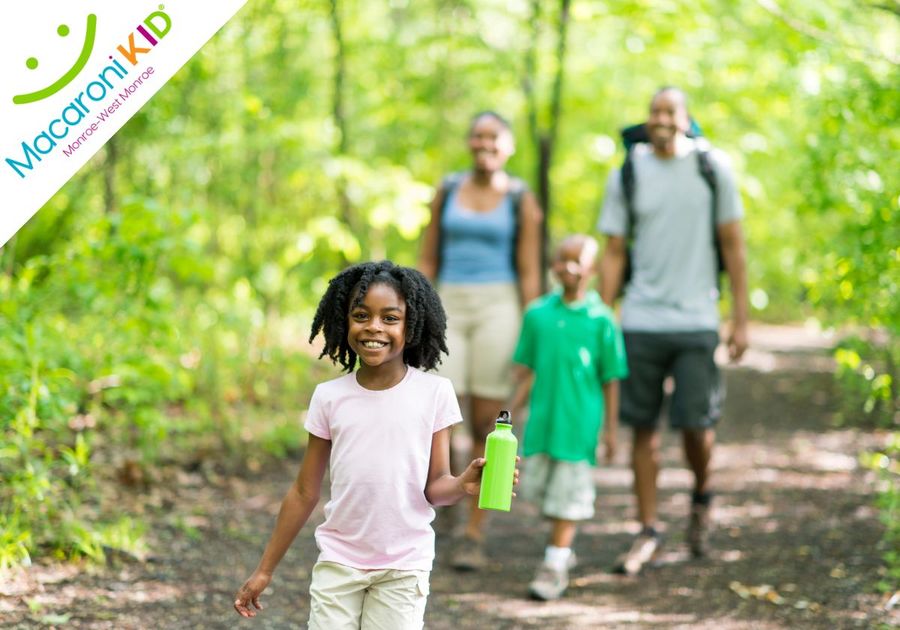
x=571 y=356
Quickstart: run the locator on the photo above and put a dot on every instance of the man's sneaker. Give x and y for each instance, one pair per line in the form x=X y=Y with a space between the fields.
x=468 y=555
x=644 y=550
x=698 y=530
x=549 y=583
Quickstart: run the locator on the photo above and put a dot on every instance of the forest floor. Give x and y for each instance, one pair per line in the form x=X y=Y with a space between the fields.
x=796 y=543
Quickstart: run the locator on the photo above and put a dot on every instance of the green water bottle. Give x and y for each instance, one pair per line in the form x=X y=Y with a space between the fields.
x=499 y=467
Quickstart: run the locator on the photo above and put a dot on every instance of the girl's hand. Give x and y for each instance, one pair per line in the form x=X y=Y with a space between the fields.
x=250 y=592
x=471 y=477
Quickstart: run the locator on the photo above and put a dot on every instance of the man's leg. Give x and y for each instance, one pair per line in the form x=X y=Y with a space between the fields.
x=698 y=445
x=696 y=407
x=642 y=397
x=645 y=464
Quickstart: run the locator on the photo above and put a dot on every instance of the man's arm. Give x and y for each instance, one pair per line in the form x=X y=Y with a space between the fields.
x=734 y=254
x=612 y=268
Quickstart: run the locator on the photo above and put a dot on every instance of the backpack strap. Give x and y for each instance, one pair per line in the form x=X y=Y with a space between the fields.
x=448 y=185
x=626 y=175
x=517 y=190
x=708 y=173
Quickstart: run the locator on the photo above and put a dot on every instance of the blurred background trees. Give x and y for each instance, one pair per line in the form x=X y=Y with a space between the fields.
x=157 y=308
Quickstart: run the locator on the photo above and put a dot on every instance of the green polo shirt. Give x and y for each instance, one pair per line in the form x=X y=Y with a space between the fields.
x=573 y=349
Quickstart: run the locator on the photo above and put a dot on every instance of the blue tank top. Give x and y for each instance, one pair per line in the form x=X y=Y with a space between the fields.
x=477 y=246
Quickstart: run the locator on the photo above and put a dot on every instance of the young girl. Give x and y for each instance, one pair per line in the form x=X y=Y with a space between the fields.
x=385 y=431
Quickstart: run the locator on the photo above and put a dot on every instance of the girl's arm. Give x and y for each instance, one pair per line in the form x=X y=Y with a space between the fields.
x=442 y=488
x=428 y=256
x=296 y=507
x=528 y=254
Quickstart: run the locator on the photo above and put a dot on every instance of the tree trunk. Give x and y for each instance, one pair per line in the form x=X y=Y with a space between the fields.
x=340 y=117
x=544 y=139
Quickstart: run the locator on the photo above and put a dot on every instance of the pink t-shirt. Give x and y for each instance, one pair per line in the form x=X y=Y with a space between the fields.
x=378 y=517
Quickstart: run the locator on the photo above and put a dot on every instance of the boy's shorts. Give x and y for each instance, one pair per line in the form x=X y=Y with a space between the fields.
x=688 y=358
x=483 y=323
x=563 y=490
x=344 y=598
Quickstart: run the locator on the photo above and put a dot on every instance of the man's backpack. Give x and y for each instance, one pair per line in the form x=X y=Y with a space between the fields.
x=637 y=134
x=517 y=190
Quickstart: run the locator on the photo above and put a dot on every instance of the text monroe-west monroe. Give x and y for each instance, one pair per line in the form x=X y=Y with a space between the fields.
x=104 y=115
x=44 y=143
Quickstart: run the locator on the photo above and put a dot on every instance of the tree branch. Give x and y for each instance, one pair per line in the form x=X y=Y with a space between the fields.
x=556 y=98
x=818 y=34
x=890 y=8
x=340 y=119
x=529 y=78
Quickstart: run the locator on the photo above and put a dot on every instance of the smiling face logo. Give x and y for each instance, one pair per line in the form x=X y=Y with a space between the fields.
x=64 y=80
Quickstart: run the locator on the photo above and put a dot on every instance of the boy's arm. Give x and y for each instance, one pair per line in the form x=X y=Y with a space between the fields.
x=296 y=507
x=612 y=268
x=611 y=421
x=524 y=379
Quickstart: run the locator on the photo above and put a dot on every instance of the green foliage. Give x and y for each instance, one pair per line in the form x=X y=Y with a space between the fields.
x=869 y=385
x=887 y=465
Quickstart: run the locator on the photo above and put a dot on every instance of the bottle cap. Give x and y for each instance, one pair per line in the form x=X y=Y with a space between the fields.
x=503 y=418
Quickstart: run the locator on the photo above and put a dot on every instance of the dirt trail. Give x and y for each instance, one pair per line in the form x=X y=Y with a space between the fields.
x=796 y=544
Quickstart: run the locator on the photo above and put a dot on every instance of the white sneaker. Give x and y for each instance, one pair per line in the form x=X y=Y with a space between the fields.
x=644 y=549
x=549 y=583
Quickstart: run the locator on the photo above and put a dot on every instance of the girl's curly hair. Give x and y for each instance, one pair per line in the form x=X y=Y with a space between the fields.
x=426 y=321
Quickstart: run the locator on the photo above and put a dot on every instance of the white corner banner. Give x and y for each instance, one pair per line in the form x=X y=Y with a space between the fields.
x=72 y=73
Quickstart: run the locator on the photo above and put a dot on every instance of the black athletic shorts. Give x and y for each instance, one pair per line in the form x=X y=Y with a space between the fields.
x=686 y=356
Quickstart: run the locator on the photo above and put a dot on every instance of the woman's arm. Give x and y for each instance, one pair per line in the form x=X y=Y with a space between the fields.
x=428 y=255
x=528 y=253
x=296 y=507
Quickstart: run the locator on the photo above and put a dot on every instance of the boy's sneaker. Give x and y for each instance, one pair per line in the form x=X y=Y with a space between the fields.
x=468 y=555
x=549 y=583
x=644 y=550
x=698 y=530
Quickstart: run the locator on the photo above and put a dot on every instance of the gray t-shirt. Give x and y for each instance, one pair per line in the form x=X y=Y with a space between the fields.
x=673 y=281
